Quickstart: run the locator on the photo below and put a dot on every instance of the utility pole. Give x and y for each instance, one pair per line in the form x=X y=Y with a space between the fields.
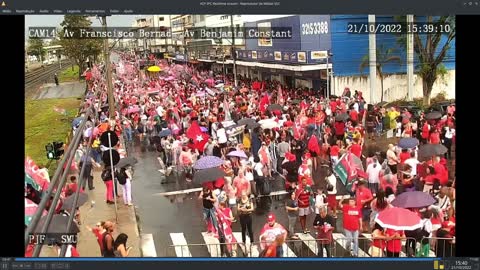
x=234 y=54
x=372 y=55
x=111 y=99
x=410 y=59
x=328 y=78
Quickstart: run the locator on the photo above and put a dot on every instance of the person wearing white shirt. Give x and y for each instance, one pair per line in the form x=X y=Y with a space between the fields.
x=356 y=107
x=413 y=162
x=332 y=193
x=320 y=201
x=373 y=171
x=447 y=141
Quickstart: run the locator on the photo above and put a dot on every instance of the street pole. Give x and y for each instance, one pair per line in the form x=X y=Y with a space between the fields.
x=410 y=59
x=113 y=176
x=111 y=99
x=372 y=54
x=234 y=55
x=328 y=79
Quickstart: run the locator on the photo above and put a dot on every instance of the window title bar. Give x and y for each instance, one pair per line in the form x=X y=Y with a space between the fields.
x=114 y=7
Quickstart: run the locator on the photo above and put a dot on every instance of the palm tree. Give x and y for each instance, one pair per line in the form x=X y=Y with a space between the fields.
x=384 y=56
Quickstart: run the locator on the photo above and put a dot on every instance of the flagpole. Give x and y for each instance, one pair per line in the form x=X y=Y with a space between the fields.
x=113 y=177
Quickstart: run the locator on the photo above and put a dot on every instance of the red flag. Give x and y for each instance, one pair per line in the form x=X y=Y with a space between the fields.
x=264 y=103
x=280 y=95
x=313 y=145
x=199 y=138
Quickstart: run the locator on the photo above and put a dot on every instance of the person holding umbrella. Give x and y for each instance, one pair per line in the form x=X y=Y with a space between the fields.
x=394 y=242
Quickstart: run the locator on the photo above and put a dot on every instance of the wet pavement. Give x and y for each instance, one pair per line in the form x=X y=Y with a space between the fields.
x=159 y=215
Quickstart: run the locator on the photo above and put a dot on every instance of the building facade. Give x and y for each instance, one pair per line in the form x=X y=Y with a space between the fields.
x=297 y=59
x=350 y=49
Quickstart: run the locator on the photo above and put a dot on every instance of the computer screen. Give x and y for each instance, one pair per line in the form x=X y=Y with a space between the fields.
x=255 y=132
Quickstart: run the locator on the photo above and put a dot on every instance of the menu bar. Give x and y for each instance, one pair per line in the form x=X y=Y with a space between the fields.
x=108 y=7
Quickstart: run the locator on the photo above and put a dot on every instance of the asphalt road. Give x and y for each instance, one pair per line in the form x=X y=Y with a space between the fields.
x=160 y=216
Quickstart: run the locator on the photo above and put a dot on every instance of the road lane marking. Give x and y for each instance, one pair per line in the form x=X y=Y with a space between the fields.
x=213 y=245
x=192 y=190
x=148 y=246
x=309 y=241
x=342 y=241
x=253 y=249
x=180 y=243
x=287 y=252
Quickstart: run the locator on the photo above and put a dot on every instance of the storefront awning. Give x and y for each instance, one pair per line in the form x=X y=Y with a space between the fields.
x=299 y=68
x=206 y=60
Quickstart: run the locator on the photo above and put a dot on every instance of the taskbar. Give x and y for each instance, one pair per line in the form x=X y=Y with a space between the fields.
x=244 y=263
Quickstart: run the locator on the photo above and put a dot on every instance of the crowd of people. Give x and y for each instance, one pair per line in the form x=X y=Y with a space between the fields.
x=286 y=134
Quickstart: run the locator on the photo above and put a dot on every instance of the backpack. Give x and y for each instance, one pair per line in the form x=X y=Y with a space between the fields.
x=106 y=174
x=122 y=177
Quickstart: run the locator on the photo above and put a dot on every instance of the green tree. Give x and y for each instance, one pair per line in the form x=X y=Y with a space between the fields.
x=35 y=47
x=76 y=48
x=384 y=56
x=428 y=51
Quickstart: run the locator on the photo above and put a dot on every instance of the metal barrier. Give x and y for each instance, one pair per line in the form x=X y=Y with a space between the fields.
x=442 y=247
x=310 y=247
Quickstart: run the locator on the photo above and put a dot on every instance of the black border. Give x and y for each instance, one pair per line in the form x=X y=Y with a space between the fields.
x=12 y=200
x=13 y=141
x=466 y=141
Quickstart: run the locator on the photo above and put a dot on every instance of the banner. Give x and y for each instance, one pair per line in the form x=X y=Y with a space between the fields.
x=34 y=174
x=349 y=167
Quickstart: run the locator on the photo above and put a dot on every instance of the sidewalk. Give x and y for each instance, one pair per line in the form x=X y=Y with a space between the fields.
x=99 y=210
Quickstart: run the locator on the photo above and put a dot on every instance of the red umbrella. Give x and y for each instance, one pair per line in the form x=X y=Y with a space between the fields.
x=399 y=219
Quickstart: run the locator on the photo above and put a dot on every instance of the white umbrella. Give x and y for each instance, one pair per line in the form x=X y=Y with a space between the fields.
x=268 y=124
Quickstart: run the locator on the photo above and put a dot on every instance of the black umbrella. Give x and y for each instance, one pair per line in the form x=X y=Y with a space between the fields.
x=342 y=117
x=128 y=161
x=58 y=224
x=274 y=107
x=68 y=202
x=207 y=175
x=428 y=151
x=433 y=115
x=248 y=122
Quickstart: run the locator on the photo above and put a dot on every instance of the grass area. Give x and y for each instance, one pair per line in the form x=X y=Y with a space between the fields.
x=44 y=125
x=68 y=75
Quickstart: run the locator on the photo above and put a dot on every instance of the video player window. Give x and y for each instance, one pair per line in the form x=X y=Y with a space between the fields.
x=238 y=136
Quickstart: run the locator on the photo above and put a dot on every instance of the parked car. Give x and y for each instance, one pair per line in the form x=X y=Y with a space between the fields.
x=441 y=106
x=411 y=106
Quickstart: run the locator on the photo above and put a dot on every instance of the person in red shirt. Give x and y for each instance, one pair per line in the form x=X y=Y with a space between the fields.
x=352 y=223
x=339 y=129
x=333 y=106
x=304 y=194
x=334 y=152
x=98 y=232
x=434 y=136
x=356 y=148
x=271 y=232
x=425 y=132
x=364 y=198
x=354 y=116
x=404 y=155
x=440 y=172
x=394 y=242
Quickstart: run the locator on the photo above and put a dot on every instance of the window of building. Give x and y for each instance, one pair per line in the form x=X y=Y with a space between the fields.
x=161 y=19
